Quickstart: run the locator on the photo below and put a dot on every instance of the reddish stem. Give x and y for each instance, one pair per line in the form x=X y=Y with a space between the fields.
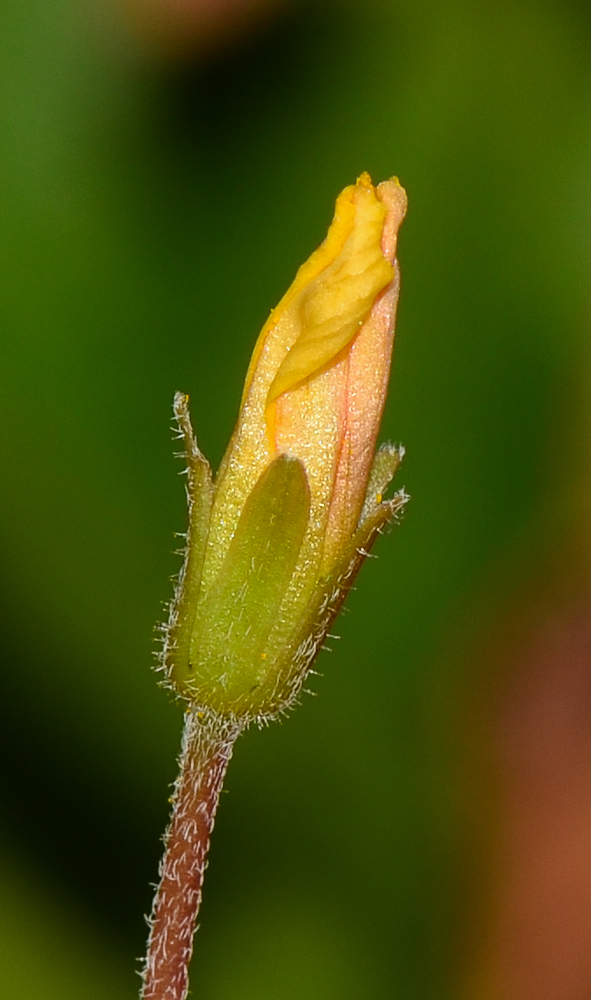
x=208 y=741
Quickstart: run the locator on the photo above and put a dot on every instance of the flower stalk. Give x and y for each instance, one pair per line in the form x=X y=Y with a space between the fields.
x=275 y=541
x=208 y=742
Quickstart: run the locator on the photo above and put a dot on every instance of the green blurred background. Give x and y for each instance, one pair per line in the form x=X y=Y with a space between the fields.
x=155 y=202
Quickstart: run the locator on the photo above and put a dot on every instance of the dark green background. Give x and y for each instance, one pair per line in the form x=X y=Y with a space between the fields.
x=151 y=214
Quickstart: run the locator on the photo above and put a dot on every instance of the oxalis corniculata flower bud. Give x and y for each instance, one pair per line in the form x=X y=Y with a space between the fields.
x=275 y=542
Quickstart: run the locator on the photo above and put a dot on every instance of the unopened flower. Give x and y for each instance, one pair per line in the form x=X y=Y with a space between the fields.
x=274 y=544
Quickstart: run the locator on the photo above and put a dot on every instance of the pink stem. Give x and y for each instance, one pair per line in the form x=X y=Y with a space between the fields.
x=208 y=741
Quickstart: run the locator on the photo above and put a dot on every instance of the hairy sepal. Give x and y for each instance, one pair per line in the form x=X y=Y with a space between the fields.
x=183 y=608
x=302 y=646
x=228 y=666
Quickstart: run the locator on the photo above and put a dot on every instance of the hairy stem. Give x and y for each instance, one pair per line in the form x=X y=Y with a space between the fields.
x=208 y=741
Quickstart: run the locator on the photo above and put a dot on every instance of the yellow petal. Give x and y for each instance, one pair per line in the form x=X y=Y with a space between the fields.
x=334 y=302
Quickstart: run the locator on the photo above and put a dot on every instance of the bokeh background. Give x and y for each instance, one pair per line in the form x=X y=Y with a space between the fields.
x=422 y=828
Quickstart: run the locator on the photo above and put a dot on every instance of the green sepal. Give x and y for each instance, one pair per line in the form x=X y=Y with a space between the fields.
x=227 y=667
x=177 y=634
x=314 y=620
x=386 y=461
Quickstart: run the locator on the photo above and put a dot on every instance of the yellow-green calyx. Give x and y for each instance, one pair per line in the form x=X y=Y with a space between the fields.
x=274 y=543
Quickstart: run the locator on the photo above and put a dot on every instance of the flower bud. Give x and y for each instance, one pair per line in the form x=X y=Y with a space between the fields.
x=274 y=544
